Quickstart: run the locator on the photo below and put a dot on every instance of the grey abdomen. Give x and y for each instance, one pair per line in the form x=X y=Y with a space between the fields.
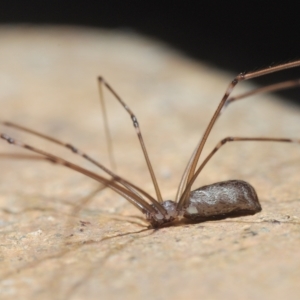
x=230 y=198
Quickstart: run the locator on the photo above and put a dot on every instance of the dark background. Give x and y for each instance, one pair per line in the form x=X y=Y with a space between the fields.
x=237 y=36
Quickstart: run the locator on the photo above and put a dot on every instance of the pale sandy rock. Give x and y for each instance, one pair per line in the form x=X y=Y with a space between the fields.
x=48 y=82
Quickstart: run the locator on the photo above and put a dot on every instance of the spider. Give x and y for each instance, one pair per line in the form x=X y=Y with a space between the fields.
x=232 y=198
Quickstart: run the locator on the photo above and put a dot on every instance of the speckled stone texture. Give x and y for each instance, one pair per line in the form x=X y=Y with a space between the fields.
x=56 y=243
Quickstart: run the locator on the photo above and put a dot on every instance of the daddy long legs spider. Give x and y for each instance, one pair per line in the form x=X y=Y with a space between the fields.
x=231 y=198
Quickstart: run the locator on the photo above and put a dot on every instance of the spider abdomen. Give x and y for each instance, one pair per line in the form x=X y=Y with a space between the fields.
x=232 y=198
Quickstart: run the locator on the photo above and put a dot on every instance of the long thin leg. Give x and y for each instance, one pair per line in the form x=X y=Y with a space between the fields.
x=138 y=202
x=237 y=79
x=265 y=89
x=235 y=139
x=130 y=186
x=269 y=88
x=139 y=134
x=183 y=180
x=22 y=156
x=106 y=128
x=83 y=201
x=74 y=149
x=38 y=157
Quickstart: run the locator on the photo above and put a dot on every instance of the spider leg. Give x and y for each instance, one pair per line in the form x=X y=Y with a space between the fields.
x=232 y=139
x=130 y=186
x=269 y=88
x=139 y=134
x=138 y=202
x=186 y=179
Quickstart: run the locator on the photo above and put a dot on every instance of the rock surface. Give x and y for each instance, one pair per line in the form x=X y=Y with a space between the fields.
x=54 y=247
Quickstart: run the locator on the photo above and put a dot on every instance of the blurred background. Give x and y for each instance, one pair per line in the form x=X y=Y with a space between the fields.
x=236 y=35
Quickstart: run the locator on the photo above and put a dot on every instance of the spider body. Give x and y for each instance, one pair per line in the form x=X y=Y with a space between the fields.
x=232 y=198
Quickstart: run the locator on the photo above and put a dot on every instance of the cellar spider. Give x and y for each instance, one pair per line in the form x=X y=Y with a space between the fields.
x=220 y=200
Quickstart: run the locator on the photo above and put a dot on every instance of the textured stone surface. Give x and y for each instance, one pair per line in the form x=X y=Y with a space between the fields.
x=51 y=249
